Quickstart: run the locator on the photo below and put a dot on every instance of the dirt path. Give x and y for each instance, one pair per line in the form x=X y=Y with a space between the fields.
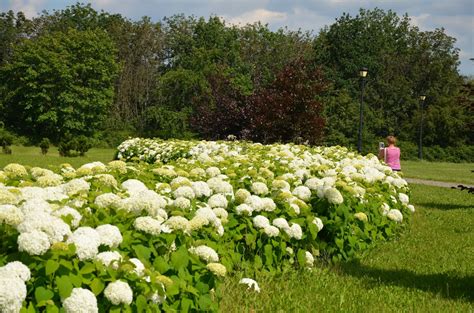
x=434 y=183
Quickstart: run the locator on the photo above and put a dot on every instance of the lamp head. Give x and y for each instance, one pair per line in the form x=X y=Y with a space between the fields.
x=363 y=72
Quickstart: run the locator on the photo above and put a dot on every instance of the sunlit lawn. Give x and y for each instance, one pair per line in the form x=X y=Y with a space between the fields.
x=428 y=269
x=32 y=156
x=451 y=172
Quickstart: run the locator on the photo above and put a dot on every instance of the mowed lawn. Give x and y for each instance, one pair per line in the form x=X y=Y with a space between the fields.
x=32 y=156
x=430 y=268
x=442 y=171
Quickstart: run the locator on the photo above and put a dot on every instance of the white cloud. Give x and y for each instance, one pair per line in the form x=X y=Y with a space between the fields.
x=258 y=15
x=30 y=8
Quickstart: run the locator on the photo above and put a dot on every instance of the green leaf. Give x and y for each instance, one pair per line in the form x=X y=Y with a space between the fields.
x=161 y=265
x=180 y=258
x=258 y=262
x=64 y=286
x=76 y=280
x=268 y=251
x=301 y=256
x=87 y=268
x=51 y=266
x=186 y=304
x=43 y=294
x=97 y=286
x=141 y=304
x=52 y=309
x=142 y=252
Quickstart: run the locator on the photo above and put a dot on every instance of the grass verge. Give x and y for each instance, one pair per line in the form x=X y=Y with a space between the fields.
x=428 y=269
x=450 y=172
x=32 y=156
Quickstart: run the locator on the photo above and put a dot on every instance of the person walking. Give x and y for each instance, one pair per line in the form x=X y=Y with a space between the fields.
x=391 y=154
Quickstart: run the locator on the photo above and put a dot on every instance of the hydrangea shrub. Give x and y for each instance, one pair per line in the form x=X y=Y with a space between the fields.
x=161 y=232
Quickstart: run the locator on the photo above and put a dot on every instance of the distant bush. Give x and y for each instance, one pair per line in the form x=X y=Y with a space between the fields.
x=44 y=145
x=6 y=140
x=76 y=146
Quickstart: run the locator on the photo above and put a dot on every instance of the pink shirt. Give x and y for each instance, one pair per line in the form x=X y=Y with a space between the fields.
x=392 y=157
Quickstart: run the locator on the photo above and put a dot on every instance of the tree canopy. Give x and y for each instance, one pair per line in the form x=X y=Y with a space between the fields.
x=83 y=72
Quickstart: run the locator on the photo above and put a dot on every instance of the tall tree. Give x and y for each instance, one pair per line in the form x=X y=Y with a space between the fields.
x=60 y=83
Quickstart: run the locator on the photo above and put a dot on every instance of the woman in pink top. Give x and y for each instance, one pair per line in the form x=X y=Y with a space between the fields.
x=391 y=154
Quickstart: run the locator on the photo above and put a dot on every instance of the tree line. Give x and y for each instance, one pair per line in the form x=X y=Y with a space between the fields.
x=79 y=72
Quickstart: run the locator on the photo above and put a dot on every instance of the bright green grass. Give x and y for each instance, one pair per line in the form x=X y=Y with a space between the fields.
x=428 y=269
x=32 y=156
x=451 y=172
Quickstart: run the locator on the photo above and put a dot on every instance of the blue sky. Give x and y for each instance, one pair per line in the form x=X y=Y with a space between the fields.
x=456 y=16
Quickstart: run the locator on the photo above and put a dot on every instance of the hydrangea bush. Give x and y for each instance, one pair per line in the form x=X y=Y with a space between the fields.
x=161 y=232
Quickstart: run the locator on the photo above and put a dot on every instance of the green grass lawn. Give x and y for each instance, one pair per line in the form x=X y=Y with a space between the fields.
x=428 y=269
x=450 y=172
x=32 y=156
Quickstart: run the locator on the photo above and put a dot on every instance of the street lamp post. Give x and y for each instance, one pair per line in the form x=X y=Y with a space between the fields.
x=362 y=73
x=420 y=142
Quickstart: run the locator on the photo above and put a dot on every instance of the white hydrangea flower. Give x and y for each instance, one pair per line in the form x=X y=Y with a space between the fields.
x=110 y=235
x=309 y=259
x=217 y=201
x=403 y=198
x=49 y=180
x=33 y=242
x=12 y=294
x=385 y=208
x=217 y=269
x=295 y=231
x=241 y=195
x=411 y=208
x=251 y=284
x=221 y=213
x=15 y=269
x=280 y=184
x=33 y=205
x=87 y=241
x=80 y=300
x=259 y=188
x=68 y=211
x=361 y=216
x=139 y=267
x=133 y=186
x=314 y=183
x=119 y=292
x=261 y=221
x=244 y=209
x=206 y=253
x=15 y=170
x=109 y=258
x=281 y=223
x=182 y=203
x=180 y=181
x=268 y=204
x=178 y=223
x=255 y=202
x=148 y=225
x=271 y=231
x=10 y=215
x=319 y=223
x=201 y=189
x=395 y=215
x=220 y=186
x=106 y=200
x=213 y=171
x=333 y=196
x=76 y=186
x=302 y=192
x=185 y=192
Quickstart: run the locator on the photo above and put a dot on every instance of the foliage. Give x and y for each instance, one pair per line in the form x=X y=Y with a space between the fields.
x=75 y=146
x=6 y=140
x=44 y=145
x=288 y=109
x=403 y=63
x=60 y=83
x=285 y=110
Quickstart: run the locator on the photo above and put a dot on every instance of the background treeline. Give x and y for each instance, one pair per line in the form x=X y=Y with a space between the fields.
x=81 y=73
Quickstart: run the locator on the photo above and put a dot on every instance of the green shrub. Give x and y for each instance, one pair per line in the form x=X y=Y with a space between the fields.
x=44 y=145
x=6 y=140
